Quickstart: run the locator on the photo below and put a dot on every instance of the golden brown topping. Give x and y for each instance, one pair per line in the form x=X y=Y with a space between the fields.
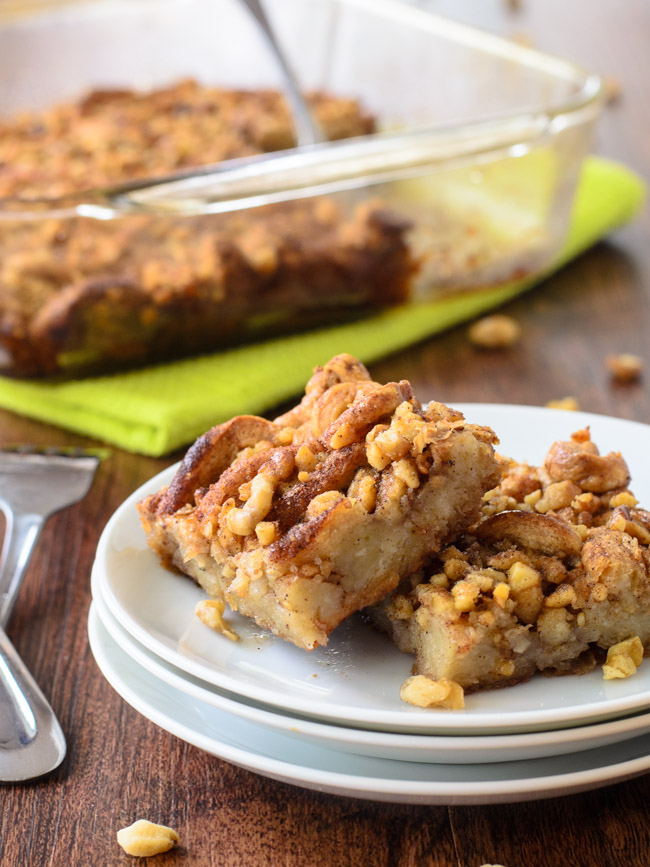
x=305 y=459
x=211 y=455
x=266 y=532
x=364 y=488
x=465 y=595
x=543 y=533
x=407 y=472
x=622 y=519
x=523 y=577
x=345 y=435
x=243 y=521
x=561 y=597
x=625 y=498
x=501 y=593
x=577 y=462
x=556 y=496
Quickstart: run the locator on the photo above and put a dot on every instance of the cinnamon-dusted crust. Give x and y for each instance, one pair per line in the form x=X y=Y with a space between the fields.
x=82 y=294
x=555 y=572
x=302 y=521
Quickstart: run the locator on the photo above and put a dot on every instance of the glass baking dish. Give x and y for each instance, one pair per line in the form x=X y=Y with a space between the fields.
x=465 y=180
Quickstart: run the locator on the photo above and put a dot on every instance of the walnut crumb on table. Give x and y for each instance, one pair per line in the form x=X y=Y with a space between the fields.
x=568 y=403
x=624 y=367
x=612 y=89
x=494 y=332
x=144 y=839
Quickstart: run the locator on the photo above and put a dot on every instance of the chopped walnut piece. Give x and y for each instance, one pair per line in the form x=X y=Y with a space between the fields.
x=625 y=367
x=612 y=89
x=568 y=403
x=143 y=839
x=424 y=692
x=266 y=533
x=494 y=332
x=210 y=612
x=625 y=498
x=523 y=39
x=623 y=659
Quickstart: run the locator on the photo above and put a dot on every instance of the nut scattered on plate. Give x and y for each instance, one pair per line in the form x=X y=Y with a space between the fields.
x=625 y=367
x=623 y=659
x=144 y=839
x=210 y=612
x=423 y=691
x=494 y=332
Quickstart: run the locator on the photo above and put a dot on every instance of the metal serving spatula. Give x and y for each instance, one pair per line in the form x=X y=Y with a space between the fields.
x=307 y=129
x=34 y=484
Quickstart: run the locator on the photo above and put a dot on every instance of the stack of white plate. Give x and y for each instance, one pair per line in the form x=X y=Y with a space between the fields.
x=332 y=719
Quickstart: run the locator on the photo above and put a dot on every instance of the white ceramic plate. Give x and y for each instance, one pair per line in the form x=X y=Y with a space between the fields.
x=281 y=757
x=439 y=749
x=355 y=680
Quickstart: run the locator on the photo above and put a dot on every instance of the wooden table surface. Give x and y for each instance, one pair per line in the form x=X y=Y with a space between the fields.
x=120 y=766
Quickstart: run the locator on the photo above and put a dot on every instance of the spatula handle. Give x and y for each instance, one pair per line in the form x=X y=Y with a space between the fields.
x=21 y=535
x=31 y=740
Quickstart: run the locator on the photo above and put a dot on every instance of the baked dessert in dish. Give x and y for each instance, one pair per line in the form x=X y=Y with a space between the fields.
x=79 y=294
x=555 y=572
x=301 y=521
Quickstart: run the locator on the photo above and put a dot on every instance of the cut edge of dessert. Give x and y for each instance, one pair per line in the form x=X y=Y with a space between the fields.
x=301 y=521
x=553 y=576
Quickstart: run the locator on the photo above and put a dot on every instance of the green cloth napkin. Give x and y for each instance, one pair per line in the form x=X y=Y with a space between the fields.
x=157 y=409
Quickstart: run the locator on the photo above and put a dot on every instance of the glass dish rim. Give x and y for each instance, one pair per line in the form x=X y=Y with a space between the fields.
x=509 y=132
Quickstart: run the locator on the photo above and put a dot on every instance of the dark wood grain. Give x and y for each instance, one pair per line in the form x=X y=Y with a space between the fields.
x=121 y=766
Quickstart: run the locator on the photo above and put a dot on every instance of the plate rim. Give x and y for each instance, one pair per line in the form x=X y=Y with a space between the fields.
x=371 y=788
x=578 y=738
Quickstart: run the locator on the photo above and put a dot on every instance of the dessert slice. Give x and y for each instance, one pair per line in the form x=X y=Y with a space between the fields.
x=555 y=572
x=300 y=521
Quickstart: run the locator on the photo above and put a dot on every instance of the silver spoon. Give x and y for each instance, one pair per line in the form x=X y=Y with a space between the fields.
x=307 y=129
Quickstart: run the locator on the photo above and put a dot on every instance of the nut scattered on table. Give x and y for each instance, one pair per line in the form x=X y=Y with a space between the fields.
x=625 y=367
x=612 y=89
x=144 y=839
x=494 y=332
x=568 y=403
x=523 y=39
